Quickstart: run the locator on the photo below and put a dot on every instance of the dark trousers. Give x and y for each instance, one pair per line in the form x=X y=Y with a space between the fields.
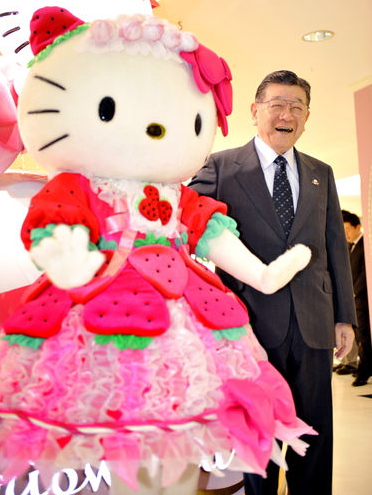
x=308 y=373
x=363 y=338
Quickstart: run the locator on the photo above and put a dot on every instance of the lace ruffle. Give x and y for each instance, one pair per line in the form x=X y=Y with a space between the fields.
x=215 y=226
x=112 y=190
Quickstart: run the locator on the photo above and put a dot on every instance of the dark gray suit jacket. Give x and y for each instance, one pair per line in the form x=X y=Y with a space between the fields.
x=322 y=293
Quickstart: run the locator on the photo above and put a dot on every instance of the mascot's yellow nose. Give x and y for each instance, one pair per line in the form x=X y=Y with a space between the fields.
x=155 y=130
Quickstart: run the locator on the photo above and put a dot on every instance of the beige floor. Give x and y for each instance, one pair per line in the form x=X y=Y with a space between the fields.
x=353 y=437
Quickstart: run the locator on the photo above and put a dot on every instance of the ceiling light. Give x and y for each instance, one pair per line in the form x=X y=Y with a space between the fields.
x=320 y=35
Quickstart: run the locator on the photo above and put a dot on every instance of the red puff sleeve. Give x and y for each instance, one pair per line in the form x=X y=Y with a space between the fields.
x=64 y=199
x=197 y=211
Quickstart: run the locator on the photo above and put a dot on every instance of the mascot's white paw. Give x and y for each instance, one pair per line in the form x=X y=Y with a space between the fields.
x=300 y=255
x=65 y=257
x=280 y=271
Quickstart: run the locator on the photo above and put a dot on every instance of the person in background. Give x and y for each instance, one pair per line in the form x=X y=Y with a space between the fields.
x=354 y=236
x=348 y=364
x=280 y=197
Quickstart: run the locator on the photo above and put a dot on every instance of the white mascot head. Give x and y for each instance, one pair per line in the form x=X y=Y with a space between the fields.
x=133 y=98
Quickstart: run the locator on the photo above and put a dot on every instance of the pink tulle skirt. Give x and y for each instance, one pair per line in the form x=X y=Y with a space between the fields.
x=178 y=401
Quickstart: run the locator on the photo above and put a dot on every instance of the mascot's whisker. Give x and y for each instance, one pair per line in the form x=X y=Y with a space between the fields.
x=4 y=14
x=54 y=142
x=49 y=81
x=46 y=110
x=20 y=47
x=10 y=31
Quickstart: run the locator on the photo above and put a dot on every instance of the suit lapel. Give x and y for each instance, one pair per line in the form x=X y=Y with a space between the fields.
x=251 y=178
x=309 y=185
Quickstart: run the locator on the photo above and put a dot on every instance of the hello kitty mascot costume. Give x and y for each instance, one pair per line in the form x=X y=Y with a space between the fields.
x=126 y=348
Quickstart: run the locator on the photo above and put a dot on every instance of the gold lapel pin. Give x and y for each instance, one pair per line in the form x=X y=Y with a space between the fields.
x=315 y=182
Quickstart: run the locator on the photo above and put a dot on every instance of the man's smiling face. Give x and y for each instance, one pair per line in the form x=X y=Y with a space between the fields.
x=280 y=130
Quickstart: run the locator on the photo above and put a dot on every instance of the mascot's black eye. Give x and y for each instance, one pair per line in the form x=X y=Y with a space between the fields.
x=155 y=131
x=106 y=109
x=198 y=124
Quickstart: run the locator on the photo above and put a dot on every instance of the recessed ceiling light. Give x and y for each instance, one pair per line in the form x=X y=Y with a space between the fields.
x=320 y=35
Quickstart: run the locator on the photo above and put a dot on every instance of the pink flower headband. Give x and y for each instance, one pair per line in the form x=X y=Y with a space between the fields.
x=52 y=25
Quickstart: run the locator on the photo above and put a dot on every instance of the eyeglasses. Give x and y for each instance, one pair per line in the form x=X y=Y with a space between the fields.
x=277 y=105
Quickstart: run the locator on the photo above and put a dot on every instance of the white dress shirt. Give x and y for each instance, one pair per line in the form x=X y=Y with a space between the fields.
x=267 y=156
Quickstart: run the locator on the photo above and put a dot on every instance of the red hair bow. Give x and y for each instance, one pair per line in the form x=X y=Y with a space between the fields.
x=211 y=73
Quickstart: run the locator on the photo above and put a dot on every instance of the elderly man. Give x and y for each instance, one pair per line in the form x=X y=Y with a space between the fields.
x=280 y=197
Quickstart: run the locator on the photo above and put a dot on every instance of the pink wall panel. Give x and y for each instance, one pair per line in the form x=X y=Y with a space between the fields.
x=363 y=115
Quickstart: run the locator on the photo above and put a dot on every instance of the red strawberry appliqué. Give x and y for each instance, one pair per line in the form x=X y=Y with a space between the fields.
x=214 y=308
x=162 y=266
x=130 y=306
x=152 y=208
x=41 y=317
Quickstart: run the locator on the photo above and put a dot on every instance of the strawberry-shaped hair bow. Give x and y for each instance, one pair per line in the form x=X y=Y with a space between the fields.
x=48 y=23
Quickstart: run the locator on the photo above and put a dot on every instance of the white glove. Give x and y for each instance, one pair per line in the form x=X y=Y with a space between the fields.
x=65 y=257
x=280 y=271
x=230 y=254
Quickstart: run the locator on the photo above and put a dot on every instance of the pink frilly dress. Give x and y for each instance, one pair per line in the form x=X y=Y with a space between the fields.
x=153 y=363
